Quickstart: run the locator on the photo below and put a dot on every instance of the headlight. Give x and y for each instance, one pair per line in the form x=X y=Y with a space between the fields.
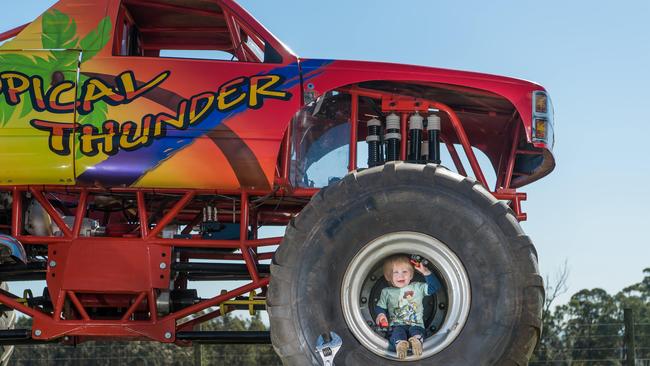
x=541 y=102
x=542 y=119
x=541 y=127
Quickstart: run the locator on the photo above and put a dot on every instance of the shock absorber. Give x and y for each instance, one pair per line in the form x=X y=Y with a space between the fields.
x=382 y=145
x=374 y=142
x=415 y=136
x=425 y=151
x=433 y=128
x=393 y=137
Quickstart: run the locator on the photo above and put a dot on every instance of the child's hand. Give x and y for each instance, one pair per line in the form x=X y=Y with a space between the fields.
x=382 y=320
x=421 y=268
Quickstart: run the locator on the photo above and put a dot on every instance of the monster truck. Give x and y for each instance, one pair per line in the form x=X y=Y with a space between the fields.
x=144 y=143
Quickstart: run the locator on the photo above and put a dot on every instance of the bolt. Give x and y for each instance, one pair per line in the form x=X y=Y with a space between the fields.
x=364 y=300
x=66 y=338
x=163 y=265
x=373 y=278
x=52 y=264
x=375 y=300
x=442 y=306
x=38 y=332
x=369 y=322
x=168 y=335
x=433 y=328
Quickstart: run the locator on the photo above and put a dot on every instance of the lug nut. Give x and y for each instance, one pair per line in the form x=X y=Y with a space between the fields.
x=364 y=300
x=442 y=306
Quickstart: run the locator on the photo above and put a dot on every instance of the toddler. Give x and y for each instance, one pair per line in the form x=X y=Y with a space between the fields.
x=400 y=305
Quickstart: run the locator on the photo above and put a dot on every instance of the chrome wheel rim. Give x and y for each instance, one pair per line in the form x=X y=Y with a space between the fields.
x=447 y=264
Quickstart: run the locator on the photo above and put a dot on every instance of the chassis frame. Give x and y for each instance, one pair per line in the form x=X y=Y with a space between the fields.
x=68 y=267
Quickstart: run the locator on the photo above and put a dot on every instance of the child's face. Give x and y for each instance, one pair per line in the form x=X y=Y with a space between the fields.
x=402 y=275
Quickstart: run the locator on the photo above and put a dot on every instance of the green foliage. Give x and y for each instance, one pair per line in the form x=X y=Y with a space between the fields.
x=27 y=65
x=60 y=36
x=589 y=330
x=94 y=41
x=59 y=31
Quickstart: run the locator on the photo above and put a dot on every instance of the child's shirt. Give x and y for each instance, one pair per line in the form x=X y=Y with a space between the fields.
x=405 y=305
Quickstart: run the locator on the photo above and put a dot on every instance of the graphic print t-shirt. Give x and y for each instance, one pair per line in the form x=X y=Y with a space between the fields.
x=404 y=304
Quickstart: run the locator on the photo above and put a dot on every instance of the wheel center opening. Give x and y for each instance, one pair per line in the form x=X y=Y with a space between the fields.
x=434 y=309
x=443 y=313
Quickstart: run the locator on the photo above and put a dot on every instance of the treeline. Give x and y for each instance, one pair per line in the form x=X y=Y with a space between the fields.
x=590 y=329
x=151 y=353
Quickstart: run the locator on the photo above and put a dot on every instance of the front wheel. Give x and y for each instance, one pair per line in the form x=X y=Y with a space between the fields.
x=326 y=275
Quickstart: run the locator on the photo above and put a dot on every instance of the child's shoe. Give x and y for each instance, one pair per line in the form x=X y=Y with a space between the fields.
x=416 y=346
x=402 y=349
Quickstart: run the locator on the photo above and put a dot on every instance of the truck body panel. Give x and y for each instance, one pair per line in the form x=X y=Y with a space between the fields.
x=124 y=120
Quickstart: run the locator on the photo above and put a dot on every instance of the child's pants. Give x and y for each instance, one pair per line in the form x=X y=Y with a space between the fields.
x=404 y=332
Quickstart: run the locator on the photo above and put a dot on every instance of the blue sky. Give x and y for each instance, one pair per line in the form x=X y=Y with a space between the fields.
x=593 y=58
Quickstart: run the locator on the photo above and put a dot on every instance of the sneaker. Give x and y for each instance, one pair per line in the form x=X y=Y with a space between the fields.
x=416 y=346
x=402 y=349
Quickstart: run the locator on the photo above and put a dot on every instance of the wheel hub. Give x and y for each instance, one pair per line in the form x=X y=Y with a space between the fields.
x=452 y=301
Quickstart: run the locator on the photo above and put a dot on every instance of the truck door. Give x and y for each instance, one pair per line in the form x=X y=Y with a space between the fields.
x=190 y=96
x=37 y=109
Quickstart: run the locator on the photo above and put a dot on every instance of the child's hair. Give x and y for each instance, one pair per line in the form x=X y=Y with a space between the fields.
x=390 y=262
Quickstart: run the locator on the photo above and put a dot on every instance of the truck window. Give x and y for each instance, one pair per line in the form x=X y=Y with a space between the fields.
x=130 y=42
x=320 y=146
x=196 y=29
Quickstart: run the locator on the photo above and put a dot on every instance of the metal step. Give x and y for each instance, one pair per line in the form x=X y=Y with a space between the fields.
x=217 y=271
x=225 y=337
x=18 y=337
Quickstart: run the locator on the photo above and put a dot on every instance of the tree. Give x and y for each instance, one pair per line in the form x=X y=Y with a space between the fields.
x=589 y=329
x=551 y=344
x=150 y=353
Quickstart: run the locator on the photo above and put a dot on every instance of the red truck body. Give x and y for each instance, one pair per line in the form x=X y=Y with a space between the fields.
x=98 y=126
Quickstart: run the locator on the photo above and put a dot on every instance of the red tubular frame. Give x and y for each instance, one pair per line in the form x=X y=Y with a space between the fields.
x=412 y=105
x=512 y=157
x=156 y=263
x=51 y=326
x=354 y=131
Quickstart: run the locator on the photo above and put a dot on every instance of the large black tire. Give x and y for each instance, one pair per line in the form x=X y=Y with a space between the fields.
x=304 y=300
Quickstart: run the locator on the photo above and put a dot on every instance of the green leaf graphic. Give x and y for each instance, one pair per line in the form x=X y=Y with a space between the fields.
x=92 y=43
x=60 y=36
x=26 y=65
x=5 y=112
x=59 y=31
